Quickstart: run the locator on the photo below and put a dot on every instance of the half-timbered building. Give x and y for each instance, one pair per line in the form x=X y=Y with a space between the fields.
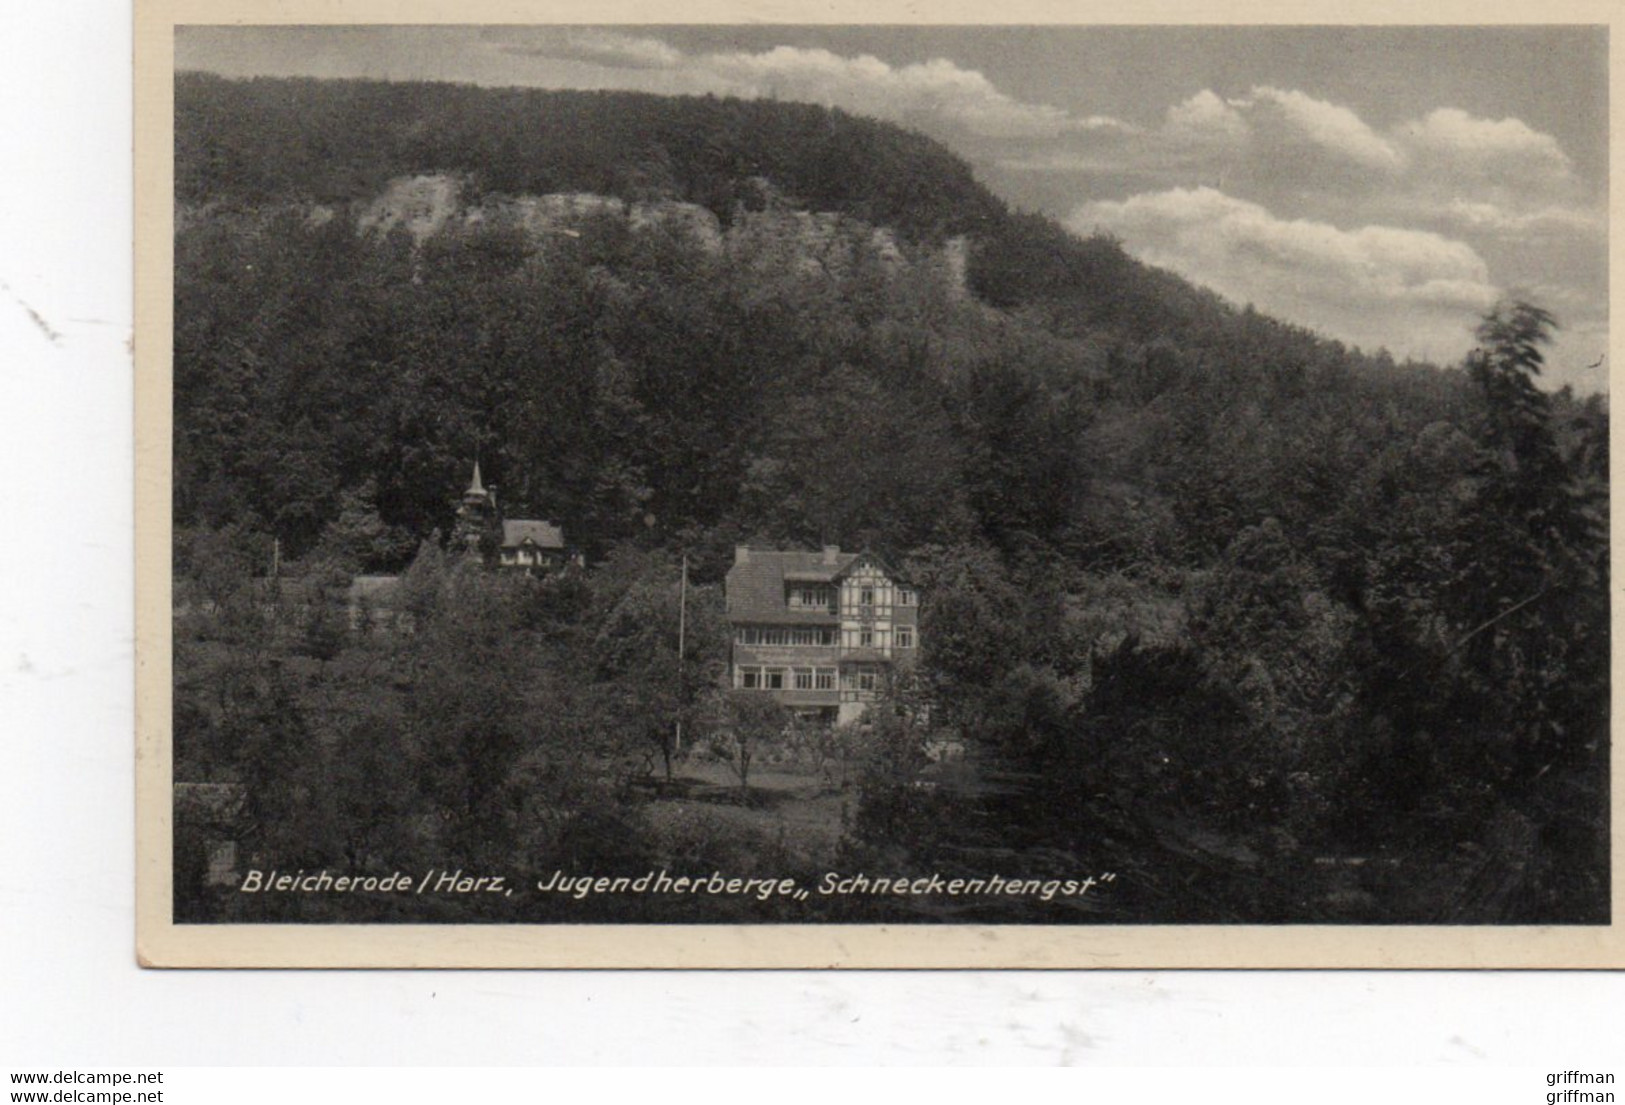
x=819 y=631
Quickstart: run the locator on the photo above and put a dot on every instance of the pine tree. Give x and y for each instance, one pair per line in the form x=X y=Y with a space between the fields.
x=1530 y=605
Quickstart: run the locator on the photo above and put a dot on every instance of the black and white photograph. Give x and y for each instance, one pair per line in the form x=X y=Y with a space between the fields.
x=936 y=479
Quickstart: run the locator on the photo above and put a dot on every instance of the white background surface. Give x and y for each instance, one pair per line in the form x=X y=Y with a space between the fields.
x=70 y=993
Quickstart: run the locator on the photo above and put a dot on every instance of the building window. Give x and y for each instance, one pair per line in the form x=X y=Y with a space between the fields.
x=866 y=596
x=821 y=598
x=905 y=636
x=785 y=636
x=773 y=679
x=804 y=679
x=906 y=597
x=867 y=681
x=750 y=678
x=866 y=638
x=824 y=679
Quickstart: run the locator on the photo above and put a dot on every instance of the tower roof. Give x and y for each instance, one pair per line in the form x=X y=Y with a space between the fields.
x=476 y=488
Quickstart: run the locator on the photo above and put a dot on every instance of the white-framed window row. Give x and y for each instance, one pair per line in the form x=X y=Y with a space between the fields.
x=904 y=636
x=756 y=677
x=817 y=596
x=802 y=635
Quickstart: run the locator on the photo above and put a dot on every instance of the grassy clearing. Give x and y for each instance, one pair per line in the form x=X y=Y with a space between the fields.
x=793 y=816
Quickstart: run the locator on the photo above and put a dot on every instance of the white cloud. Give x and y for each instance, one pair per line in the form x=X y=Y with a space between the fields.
x=1410 y=290
x=1205 y=118
x=1286 y=118
x=1286 y=128
x=1272 y=141
x=936 y=91
x=1454 y=133
x=937 y=88
x=1545 y=221
x=1495 y=175
x=609 y=48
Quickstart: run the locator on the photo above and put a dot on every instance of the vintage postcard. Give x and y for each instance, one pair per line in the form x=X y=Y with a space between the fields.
x=807 y=487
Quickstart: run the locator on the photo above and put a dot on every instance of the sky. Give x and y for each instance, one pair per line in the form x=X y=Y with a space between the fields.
x=1384 y=186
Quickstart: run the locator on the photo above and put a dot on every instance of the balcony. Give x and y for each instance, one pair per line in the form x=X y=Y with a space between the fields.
x=787 y=655
x=792 y=697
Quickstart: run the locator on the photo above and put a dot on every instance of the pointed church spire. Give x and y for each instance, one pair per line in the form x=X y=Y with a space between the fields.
x=476 y=514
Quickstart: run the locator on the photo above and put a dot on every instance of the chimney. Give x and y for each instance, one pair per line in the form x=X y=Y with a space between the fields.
x=741 y=554
x=832 y=553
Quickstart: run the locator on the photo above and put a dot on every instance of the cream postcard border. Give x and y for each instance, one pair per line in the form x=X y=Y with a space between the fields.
x=161 y=943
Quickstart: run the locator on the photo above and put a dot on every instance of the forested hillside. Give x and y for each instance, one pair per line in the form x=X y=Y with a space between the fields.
x=1226 y=599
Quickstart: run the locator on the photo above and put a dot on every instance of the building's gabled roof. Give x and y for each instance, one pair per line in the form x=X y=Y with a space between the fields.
x=853 y=560
x=820 y=575
x=546 y=535
x=755 y=583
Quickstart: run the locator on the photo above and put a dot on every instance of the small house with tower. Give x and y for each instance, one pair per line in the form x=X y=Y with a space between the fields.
x=529 y=545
